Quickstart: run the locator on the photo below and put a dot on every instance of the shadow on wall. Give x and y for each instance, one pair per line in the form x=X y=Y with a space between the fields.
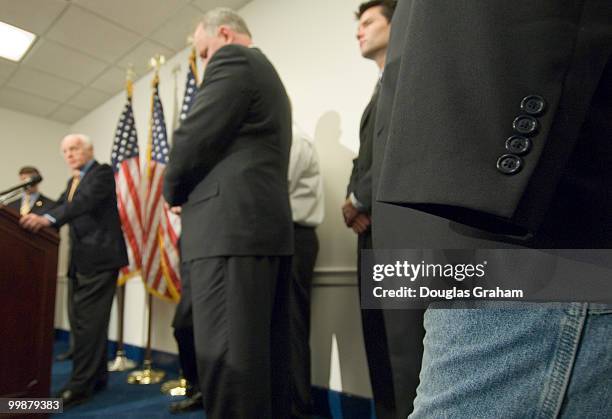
x=336 y=363
x=338 y=243
x=339 y=365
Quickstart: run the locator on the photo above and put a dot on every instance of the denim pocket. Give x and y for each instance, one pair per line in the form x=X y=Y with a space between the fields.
x=597 y=308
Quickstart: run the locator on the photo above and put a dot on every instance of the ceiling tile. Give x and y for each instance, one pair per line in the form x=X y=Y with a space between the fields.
x=175 y=31
x=61 y=61
x=32 y=15
x=88 y=98
x=80 y=29
x=141 y=16
x=111 y=81
x=42 y=84
x=6 y=69
x=67 y=114
x=141 y=55
x=206 y=5
x=25 y=102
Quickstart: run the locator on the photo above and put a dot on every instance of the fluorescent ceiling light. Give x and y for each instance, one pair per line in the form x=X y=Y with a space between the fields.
x=14 y=42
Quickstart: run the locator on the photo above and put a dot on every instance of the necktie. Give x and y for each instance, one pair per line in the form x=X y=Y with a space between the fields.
x=75 y=183
x=25 y=205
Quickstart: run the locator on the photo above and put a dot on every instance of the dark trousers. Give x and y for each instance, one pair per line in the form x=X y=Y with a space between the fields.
x=91 y=297
x=376 y=347
x=183 y=334
x=70 y=308
x=405 y=333
x=394 y=348
x=240 y=319
x=304 y=258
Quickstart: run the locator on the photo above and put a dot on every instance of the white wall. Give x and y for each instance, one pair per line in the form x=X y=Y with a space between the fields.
x=29 y=140
x=313 y=46
x=33 y=141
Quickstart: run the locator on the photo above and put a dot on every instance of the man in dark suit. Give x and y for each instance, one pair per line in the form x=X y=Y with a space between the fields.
x=228 y=171
x=493 y=130
x=31 y=201
x=400 y=357
x=97 y=252
x=373 y=36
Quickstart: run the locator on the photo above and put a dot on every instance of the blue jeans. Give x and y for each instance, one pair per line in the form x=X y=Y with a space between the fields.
x=536 y=362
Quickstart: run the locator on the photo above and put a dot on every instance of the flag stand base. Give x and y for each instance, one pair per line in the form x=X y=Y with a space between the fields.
x=146 y=376
x=175 y=387
x=121 y=362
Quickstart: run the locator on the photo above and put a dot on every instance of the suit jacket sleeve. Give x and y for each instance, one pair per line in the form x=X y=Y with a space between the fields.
x=353 y=179
x=217 y=113
x=100 y=184
x=361 y=186
x=457 y=97
x=363 y=192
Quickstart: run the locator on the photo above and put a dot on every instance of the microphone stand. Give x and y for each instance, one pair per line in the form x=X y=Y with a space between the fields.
x=16 y=190
x=10 y=195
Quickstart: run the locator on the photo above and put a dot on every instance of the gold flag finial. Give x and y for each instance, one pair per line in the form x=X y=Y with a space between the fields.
x=156 y=62
x=129 y=80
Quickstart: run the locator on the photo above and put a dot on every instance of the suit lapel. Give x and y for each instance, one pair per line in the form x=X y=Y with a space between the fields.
x=83 y=179
x=369 y=109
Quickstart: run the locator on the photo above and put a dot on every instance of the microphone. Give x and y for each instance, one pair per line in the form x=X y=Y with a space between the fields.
x=33 y=180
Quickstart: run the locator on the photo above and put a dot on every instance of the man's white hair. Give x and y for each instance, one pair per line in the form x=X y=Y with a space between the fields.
x=224 y=16
x=85 y=140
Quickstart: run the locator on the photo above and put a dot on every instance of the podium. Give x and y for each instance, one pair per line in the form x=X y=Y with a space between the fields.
x=28 y=276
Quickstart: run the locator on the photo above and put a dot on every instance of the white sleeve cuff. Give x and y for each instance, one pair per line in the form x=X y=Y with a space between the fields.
x=355 y=202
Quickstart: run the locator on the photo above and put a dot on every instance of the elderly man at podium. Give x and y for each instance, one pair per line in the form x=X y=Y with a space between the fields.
x=97 y=252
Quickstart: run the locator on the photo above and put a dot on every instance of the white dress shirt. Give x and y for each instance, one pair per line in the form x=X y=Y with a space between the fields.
x=305 y=183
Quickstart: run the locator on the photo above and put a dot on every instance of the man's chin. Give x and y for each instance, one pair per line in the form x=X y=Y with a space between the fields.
x=367 y=54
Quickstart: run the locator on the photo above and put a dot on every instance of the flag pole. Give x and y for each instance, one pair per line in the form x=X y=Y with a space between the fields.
x=121 y=361
x=178 y=387
x=148 y=375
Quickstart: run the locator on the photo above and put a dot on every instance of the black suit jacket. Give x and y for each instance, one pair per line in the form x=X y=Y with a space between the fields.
x=96 y=239
x=360 y=182
x=41 y=206
x=456 y=78
x=228 y=164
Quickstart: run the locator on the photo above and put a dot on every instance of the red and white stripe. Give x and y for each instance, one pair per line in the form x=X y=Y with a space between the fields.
x=127 y=181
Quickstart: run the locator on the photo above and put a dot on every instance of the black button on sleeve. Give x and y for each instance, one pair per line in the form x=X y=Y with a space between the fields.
x=509 y=164
x=525 y=125
x=519 y=145
x=533 y=105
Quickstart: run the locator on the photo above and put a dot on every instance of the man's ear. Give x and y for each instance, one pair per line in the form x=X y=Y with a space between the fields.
x=226 y=33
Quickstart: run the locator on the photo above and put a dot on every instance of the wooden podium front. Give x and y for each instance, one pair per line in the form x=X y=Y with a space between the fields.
x=28 y=276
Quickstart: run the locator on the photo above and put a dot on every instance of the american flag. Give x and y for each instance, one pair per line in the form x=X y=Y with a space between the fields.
x=125 y=159
x=191 y=85
x=162 y=228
